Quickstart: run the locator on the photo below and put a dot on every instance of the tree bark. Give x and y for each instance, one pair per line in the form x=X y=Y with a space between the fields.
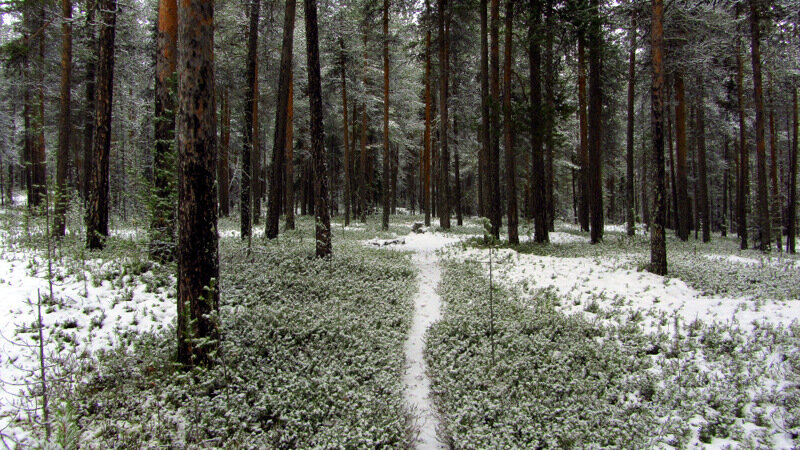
x=775 y=201
x=658 y=249
x=346 y=128
x=680 y=132
x=744 y=159
x=583 y=152
x=484 y=172
x=62 y=169
x=494 y=127
x=323 y=222
x=386 y=157
x=281 y=111
x=162 y=225
x=223 y=167
x=444 y=154
x=538 y=206
x=97 y=212
x=88 y=115
x=791 y=208
x=511 y=182
x=426 y=167
x=761 y=164
x=198 y=250
x=290 y=225
x=703 y=209
x=630 y=215
x=595 y=123
x=250 y=173
x=549 y=117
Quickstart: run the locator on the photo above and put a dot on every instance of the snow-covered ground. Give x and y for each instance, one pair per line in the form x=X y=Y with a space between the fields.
x=95 y=305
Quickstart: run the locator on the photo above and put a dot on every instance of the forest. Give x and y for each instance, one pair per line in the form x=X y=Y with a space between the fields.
x=405 y=224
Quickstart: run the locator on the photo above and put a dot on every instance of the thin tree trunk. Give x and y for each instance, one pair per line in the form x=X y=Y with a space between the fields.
x=549 y=119
x=345 y=127
x=386 y=156
x=680 y=131
x=88 y=115
x=761 y=164
x=281 y=111
x=444 y=69
x=249 y=152
x=658 y=249
x=537 y=172
x=494 y=127
x=744 y=158
x=62 y=197
x=97 y=213
x=255 y=152
x=223 y=183
x=703 y=209
x=595 y=123
x=583 y=152
x=775 y=202
x=725 y=185
x=791 y=208
x=630 y=215
x=484 y=171
x=323 y=223
x=198 y=249
x=290 y=156
x=426 y=166
x=511 y=182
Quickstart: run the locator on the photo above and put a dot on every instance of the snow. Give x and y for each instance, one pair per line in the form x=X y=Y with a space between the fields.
x=86 y=319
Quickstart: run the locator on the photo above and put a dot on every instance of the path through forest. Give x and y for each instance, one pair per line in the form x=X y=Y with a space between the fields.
x=427 y=305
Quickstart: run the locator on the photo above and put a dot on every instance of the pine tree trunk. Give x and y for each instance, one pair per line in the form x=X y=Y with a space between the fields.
x=162 y=225
x=583 y=152
x=38 y=151
x=537 y=172
x=89 y=109
x=775 y=202
x=444 y=154
x=494 y=126
x=595 y=124
x=62 y=169
x=250 y=173
x=198 y=250
x=511 y=182
x=426 y=166
x=761 y=157
x=484 y=171
x=290 y=225
x=725 y=185
x=680 y=132
x=630 y=215
x=744 y=159
x=346 y=128
x=97 y=213
x=223 y=167
x=549 y=117
x=703 y=209
x=658 y=249
x=386 y=156
x=323 y=223
x=791 y=210
x=257 y=188
x=279 y=142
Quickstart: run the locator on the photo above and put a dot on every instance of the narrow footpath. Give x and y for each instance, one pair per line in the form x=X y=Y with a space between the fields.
x=427 y=304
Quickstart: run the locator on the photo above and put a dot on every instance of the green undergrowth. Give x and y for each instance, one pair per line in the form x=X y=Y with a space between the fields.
x=562 y=381
x=311 y=357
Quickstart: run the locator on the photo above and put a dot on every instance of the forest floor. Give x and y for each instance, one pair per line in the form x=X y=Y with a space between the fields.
x=577 y=345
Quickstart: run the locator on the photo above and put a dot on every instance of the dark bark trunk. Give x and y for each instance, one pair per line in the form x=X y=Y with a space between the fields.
x=595 y=123
x=703 y=209
x=658 y=249
x=630 y=215
x=511 y=182
x=386 y=157
x=89 y=109
x=484 y=172
x=346 y=128
x=444 y=155
x=250 y=169
x=279 y=142
x=680 y=133
x=761 y=163
x=223 y=182
x=791 y=208
x=426 y=166
x=537 y=172
x=549 y=117
x=494 y=155
x=323 y=222
x=290 y=225
x=198 y=250
x=62 y=170
x=744 y=159
x=725 y=185
x=97 y=212
x=583 y=152
x=775 y=195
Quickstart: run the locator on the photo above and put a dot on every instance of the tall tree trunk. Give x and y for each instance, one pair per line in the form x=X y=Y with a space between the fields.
x=198 y=249
x=290 y=156
x=386 y=156
x=630 y=215
x=549 y=117
x=725 y=185
x=444 y=69
x=761 y=157
x=223 y=168
x=97 y=213
x=38 y=151
x=279 y=143
x=494 y=126
x=775 y=197
x=257 y=179
x=484 y=171
x=89 y=109
x=680 y=132
x=365 y=188
x=426 y=165
x=345 y=127
x=62 y=197
x=537 y=173
x=162 y=225
x=672 y=164
x=511 y=182
x=658 y=248
x=323 y=222
x=744 y=159
x=703 y=209
x=249 y=152
x=595 y=123
x=791 y=208
x=583 y=151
